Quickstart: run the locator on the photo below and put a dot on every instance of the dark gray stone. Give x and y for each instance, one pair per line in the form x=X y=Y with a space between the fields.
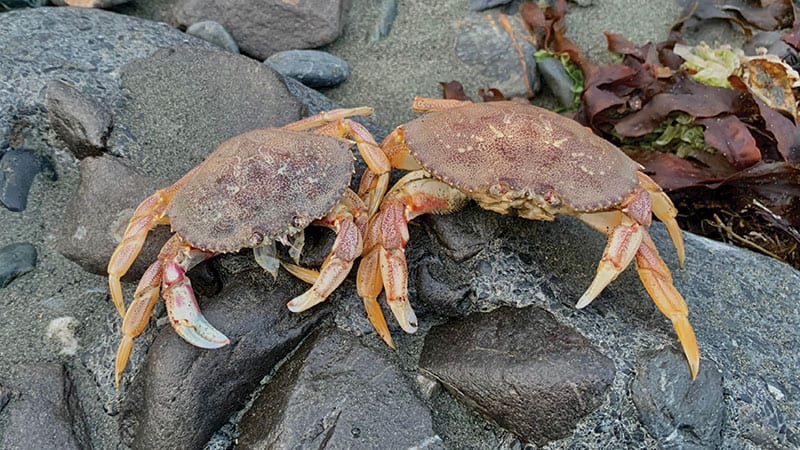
x=313 y=68
x=263 y=28
x=336 y=393
x=43 y=409
x=17 y=169
x=182 y=103
x=678 y=412
x=15 y=260
x=555 y=77
x=499 y=46
x=95 y=219
x=183 y=394
x=480 y=5
x=521 y=368
x=79 y=120
x=215 y=33
x=24 y=3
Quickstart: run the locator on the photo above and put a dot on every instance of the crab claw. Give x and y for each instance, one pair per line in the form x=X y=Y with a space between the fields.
x=620 y=250
x=183 y=311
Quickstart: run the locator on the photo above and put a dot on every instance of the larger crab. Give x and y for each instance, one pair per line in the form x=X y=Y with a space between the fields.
x=255 y=188
x=521 y=159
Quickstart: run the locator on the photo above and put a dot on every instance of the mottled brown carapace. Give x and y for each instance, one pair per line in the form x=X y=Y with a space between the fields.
x=261 y=183
x=521 y=148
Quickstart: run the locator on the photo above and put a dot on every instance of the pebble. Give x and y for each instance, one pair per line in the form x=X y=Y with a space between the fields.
x=480 y=5
x=556 y=78
x=215 y=33
x=15 y=260
x=82 y=122
x=313 y=68
x=17 y=169
x=388 y=12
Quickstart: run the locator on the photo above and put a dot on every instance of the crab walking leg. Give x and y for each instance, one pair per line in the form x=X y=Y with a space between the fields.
x=377 y=162
x=425 y=104
x=326 y=117
x=413 y=195
x=666 y=212
x=658 y=281
x=148 y=214
x=623 y=243
x=348 y=220
x=370 y=285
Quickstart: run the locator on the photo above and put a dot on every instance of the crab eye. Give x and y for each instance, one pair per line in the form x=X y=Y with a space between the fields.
x=256 y=238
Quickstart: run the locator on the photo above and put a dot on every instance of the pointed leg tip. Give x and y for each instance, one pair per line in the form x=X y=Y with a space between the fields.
x=208 y=338
x=584 y=301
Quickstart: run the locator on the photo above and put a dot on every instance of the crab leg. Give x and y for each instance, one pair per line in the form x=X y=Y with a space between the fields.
x=666 y=212
x=347 y=219
x=175 y=258
x=658 y=281
x=148 y=214
x=413 y=195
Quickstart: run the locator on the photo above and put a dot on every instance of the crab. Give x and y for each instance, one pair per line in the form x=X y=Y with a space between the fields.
x=263 y=186
x=518 y=158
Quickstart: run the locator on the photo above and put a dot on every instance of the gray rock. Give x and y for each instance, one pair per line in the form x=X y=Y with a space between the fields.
x=43 y=409
x=500 y=47
x=679 y=413
x=521 y=368
x=80 y=121
x=313 y=68
x=184 y=394
x=182 y=103
x=263 y=28
x=91 y=46
x=90 y=3
x=17 y=169
x=24 y=3
x=15 y=260
x=555 y=77
x=480 y=5
x=215 y=33
x=96 y=217
x=336 y=393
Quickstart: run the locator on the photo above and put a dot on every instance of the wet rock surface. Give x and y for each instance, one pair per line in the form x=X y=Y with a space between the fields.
x=521 y=368
x=183 y=394
x=40 y=408
x=214 y=32
x=678 y=412
x=334 y=392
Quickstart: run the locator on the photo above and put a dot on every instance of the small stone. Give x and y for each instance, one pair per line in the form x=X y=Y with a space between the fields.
x=17 y=169
x=556 y=78
x=15 y=260
x=429 y=387
x=62 y=330
x=679 y=412
x=43 y=410
x=521 y=368
x=499 y=47
x=480 y=5
x=388 y=12
x=79 y=120
x=313 y=68
x=215 y=33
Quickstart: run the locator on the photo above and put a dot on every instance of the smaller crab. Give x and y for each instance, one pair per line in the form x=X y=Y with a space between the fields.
x=258 y=187
x=521 y=159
